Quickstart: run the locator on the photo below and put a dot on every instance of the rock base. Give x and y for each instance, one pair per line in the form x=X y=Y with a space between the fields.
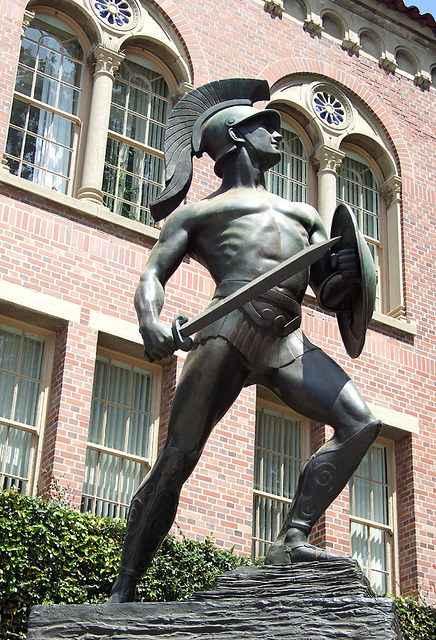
x=307 y=601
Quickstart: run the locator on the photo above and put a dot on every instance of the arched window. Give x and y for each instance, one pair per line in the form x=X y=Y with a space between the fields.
x=288 y=178
x=133 y=173
x=44 y=124
x=406 y=62
x=370 y=44
x=296 y=9
x=332 y=26
x=357 y=187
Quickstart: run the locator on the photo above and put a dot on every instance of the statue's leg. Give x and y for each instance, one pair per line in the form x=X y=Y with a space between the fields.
x=315 y=386
x=211 y=380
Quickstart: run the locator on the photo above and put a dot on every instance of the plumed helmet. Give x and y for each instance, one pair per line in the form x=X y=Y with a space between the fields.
x=212 y=135
x=200 y=122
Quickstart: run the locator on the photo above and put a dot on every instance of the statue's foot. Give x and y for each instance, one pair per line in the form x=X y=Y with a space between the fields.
x=308 y=553
x=294 y=548
x=124 y=590
x=277 y=554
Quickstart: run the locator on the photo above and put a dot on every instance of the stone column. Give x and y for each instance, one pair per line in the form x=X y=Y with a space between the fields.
x=393 y=288
x=106 y=64
x=327 y=160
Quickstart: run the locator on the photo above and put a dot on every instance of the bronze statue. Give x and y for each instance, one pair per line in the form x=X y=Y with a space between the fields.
x=238 y=233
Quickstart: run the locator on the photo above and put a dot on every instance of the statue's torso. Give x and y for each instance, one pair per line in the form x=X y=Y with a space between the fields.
x=244 y=233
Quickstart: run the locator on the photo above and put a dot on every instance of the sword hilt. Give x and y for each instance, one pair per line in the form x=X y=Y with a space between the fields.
x=182 y=342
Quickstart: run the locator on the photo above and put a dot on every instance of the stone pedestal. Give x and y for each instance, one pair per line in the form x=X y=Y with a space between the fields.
x=308 y=601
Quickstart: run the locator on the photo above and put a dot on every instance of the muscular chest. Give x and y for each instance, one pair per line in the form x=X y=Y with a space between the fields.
x=254 y=230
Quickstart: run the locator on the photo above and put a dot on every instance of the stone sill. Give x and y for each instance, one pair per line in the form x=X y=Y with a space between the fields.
x=82 y=207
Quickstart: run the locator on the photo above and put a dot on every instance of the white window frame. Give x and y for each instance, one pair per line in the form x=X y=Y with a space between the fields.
x=284 y=411
x=289 y=180
x=75 y=119
x=156 y=372
x=37 y=430
x=378 y=243
x=391 y=528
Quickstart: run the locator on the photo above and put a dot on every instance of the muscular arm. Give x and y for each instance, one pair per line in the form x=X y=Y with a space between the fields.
x=163 y=261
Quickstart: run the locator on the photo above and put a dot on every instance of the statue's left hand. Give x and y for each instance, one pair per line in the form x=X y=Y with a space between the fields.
x=346 y=263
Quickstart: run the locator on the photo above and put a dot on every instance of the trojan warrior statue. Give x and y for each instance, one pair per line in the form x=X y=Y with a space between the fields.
x=242 y=234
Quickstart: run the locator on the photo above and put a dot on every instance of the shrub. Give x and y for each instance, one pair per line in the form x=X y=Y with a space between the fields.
x=417 y=619
x=51 y=554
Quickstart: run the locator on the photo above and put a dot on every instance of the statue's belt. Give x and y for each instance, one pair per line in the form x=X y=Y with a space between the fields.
x=273 y=310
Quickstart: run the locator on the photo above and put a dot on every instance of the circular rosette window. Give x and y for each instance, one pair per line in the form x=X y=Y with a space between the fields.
x=331 y=108
x=116 y=14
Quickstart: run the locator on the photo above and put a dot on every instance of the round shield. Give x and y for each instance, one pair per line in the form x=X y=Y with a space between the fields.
x=354 y=320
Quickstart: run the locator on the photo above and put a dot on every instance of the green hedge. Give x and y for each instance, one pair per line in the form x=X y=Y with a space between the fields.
x=52 y=554
x=417 y=620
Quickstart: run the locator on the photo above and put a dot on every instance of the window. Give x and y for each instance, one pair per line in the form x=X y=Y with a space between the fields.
x=370 y=44
x=121 y=436
x=277 y=465
x=288 y=178
x=332 y=26
x=405 y=61
x=357 y=186
x=23 y=381
x=371 y=519
x=44 y=124
x=133 y=173
x=296 y=9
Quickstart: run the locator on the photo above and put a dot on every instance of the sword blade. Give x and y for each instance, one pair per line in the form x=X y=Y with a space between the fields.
x=256 y=287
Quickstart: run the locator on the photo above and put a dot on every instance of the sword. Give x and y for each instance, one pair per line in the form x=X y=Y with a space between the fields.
x=182 y=328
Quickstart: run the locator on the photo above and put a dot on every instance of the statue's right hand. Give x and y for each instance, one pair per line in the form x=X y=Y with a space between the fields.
x=158 y=342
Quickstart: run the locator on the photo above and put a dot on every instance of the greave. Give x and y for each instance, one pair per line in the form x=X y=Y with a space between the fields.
x=324 y=476
x=152 y=512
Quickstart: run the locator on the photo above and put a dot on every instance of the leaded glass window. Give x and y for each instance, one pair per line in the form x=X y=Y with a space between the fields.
x=120 y=436
x=277 y=464
x=356 y=186
x=134 y=168
x=371 y=520
x=44 y=123
x=21 y=398
x=288 y=178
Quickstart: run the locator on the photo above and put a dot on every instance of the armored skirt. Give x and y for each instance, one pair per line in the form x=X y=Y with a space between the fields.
x=266 y=331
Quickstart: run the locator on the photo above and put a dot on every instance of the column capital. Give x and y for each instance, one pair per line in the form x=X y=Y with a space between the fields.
x=313 y=25
x=106 y=60
x=27 y=19
x=327 y=158
x=182 y=89
x=274 y=7
x=391 y=190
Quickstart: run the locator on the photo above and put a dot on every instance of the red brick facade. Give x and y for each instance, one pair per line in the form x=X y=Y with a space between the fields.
x=57 y=249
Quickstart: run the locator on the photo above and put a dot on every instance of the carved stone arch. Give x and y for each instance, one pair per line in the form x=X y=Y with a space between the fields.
x=74 y=15
x=333 y=24
x=377 y=156
x=277 y=73
x=406 y=60
x=189 y=39
x=172 y=66
x=371 y=43
x=296 y=8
